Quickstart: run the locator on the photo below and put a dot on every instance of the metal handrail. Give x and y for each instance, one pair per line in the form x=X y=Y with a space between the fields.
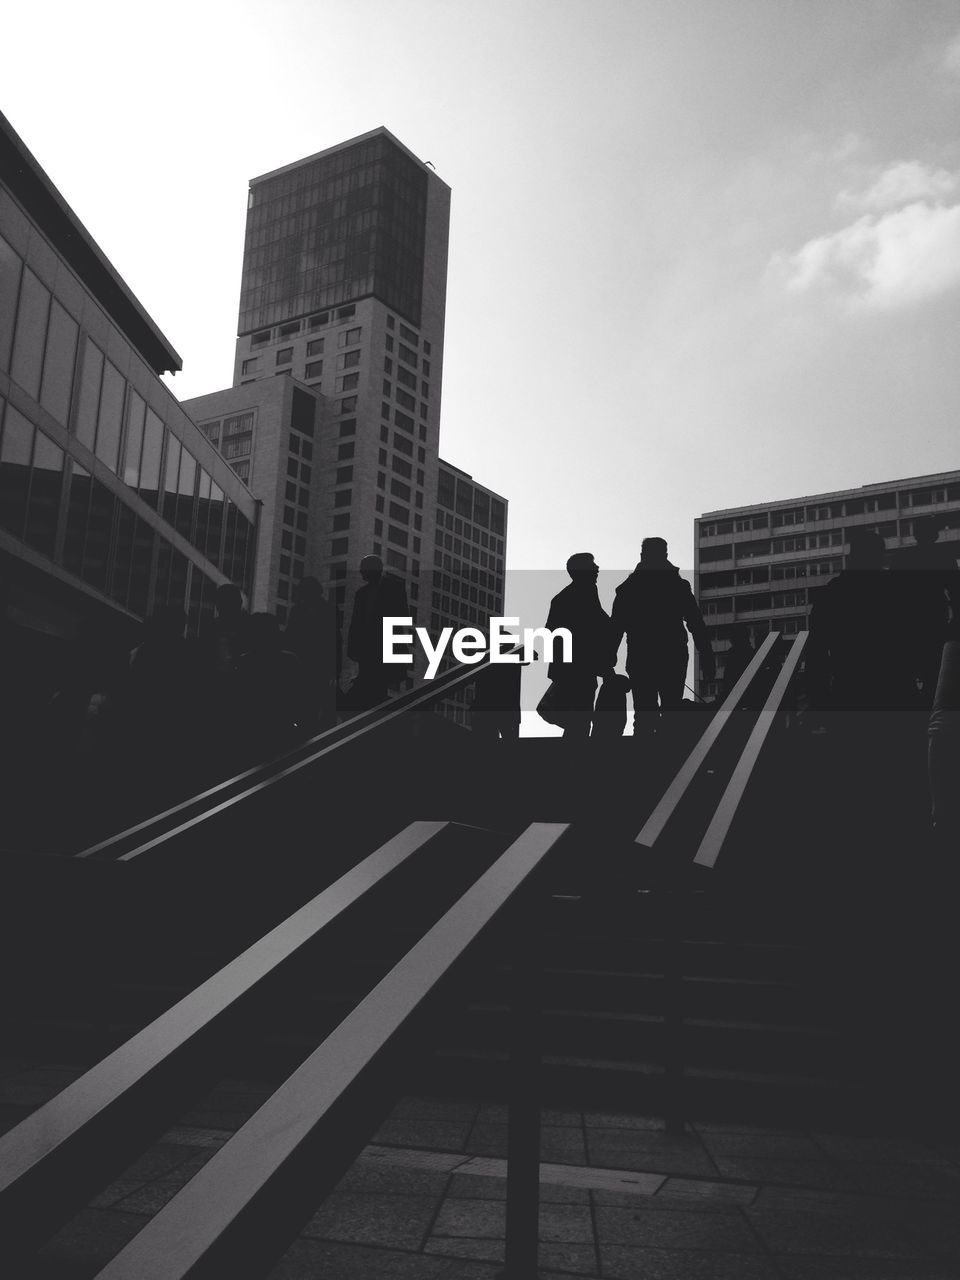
x=56 y=1158
x=725 y=812
x=197 y=808
x=241 y=1210
x=669 y=802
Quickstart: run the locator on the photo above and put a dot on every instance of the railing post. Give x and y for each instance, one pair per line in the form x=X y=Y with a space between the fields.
x=523 y=1136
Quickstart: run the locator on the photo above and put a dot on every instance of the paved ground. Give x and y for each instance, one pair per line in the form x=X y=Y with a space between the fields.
x=620 y=1198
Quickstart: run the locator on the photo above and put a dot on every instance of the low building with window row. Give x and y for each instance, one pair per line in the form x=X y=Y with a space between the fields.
x=760 y=564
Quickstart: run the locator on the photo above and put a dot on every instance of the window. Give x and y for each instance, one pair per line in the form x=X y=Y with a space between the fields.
x=315 y=347
x=348 y=405
x=406 y=377
x=426 y=363
x=402 y=468
x=339 y=546
x=341 y=521
x=348 y=361
x=384 y=433
x=408 y=355
x=388 y=342
x=407 y=400
x=250 y=366
x=398 y=513
x=791 y=516
x=348 y=426
x=344 y=313
x=387 y=390
x=345 y=451
x=316 y=321
x=387 y=365
x=286 y=330
x=284 y=355
x=390 y=322
x=379 y=502
x=305 y=472
x=426 y=347
x=314 y=369
x=425 y=390
x=344 y=474
x=260 y=338
x=402 y=444
x=342 y=498
x=408 y=335
x=400 y=490
x=306 y=450
x=403 y=420
x=398 y=536
x=283 y=373
x=382 y=457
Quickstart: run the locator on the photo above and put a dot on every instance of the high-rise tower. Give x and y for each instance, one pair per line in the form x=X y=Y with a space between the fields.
x=343 y=289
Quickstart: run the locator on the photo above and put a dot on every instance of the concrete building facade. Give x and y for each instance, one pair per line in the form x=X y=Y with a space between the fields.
x=760 y=564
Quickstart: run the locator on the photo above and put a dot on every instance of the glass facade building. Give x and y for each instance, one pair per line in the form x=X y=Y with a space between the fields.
x=334 y=229
x=109 y=496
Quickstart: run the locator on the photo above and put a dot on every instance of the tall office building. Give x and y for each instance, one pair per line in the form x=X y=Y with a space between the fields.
x=760 y=564
x=343 y=290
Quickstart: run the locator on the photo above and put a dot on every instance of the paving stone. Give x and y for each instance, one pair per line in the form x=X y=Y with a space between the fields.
x=772 y=1146
x=877 y=1150
x=619 y=1262
x=557 y=1142
x=149 y=1198
x=575 y=1259
x=159 y=1161
x=437 y=1135
x=816 y=1233
x=832 y=1203
x=938 y=1182
x=367 y=1175
x=310 y=1259
x=474 y=1219
x=394 y=1221
x=467 y=1186
x=614 y=1120
x=663 y=1153
x=663 y=1229
x=115 y=1192
x=228 y=1106
x=862 y=1269
x=687 y=1193
x=800 y=1173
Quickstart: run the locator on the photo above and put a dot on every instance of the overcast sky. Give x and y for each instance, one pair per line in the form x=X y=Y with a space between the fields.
x=703 y=252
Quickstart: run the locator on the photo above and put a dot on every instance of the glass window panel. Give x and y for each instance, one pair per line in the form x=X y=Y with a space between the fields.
x=76 y=519
x=90 y=377
x=170 y=478
x=58 y=362
x=215 y=524
x=96 y=551
x=15 y=450
x=10 y=266
x=45 y=487
x=140 y=567
x=110 y=417
x=123 y=557
x=186 y=485
x=150 y=459
x=30 y=333
x=203 y=512
x=136 y=408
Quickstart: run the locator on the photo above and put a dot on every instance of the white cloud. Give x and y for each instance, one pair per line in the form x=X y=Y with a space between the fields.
x=881 y=261
x=900 y=184
x=951 y=56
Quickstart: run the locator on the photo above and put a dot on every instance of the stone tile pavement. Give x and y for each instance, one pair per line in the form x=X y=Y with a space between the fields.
x=620 y=1199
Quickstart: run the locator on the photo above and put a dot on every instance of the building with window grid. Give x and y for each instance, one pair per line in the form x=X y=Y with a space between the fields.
x=112 y=503
x=468 y=561
x=343 y=290
x=760 y=564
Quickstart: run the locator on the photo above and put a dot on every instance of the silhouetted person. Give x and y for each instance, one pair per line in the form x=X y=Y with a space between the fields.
x=577 y=608
x=654 y=608
x=610 y=711
x=273 y=689
x=927 y=579
x=860 y=652
x=381 y=596
x=313 y=634
x=943 y=755
x=736 y=659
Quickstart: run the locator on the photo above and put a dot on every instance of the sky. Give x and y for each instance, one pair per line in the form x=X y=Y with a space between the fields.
x=702 y=252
